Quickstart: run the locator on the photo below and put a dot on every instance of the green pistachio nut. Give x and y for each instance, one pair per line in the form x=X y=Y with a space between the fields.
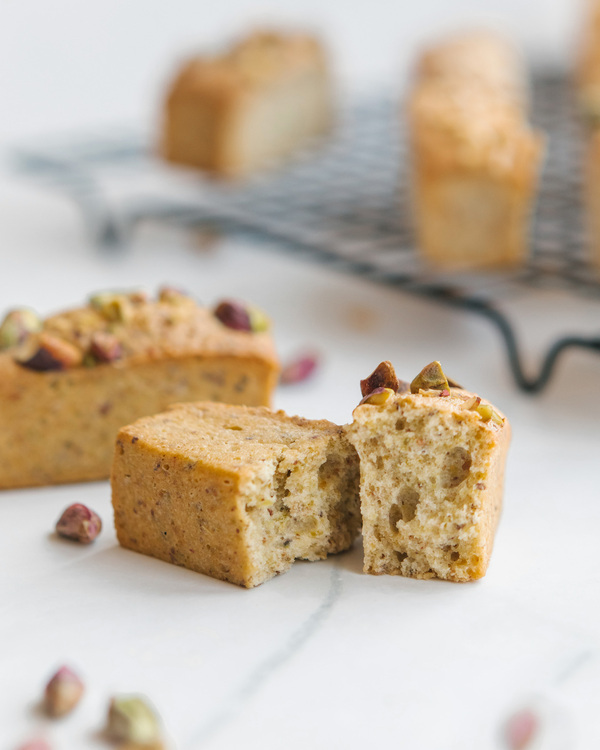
x=431 y=377
x=17 y=325
x=259 y=321
x=130 y=719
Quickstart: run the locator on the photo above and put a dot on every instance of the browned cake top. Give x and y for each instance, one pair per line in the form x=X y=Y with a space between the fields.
x=130 y=327
x=226 y=437
x=462 y=404
x=476 y=56
x=257 y=60
x=468 y=109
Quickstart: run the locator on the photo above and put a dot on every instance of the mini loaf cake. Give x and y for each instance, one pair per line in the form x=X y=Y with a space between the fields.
x=588 y=66
x=592 y=195
x=250 y=107
x=234 y=492
x=67 y=384
x=432 y=461
x=475 y=159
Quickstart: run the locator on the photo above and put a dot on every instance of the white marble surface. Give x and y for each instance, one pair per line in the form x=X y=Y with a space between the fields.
x=324 y=656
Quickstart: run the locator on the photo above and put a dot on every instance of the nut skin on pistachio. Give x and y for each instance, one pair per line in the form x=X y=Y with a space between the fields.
x=79 y=523
x=131 y=719
x=383 y=376
x=105 y=347
x=241 y=317
x=16 y=327
x=52 y=353
x=299 y=369
x=378 y=397
x=63 y=692
x=431 y=377
x=36 y=744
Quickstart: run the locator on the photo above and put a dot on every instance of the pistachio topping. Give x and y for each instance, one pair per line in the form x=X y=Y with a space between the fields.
x=105 y=347
x=485 y=411
x=431 y=377
x=172 y=295
x=115 y=307
x=51 y=353
x=130 y=719
x=17 y=325
x=259 y=321
x=378 y=397
x=383 y=376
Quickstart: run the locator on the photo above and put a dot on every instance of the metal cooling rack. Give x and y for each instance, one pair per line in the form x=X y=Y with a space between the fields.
x=344 y=201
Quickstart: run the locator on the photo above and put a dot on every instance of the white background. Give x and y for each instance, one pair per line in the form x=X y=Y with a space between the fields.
x=323 y=657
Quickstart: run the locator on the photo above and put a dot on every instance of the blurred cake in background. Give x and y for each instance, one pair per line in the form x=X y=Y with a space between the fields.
x=587 y=75
x=250 y=107
x=475 y=158
x=588 y=65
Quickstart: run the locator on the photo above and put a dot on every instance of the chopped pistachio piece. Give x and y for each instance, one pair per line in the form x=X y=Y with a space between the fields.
x=259 y=321
x=17 y=325
x=114 y=307
x=383 y=376
x=378 y=397
x=431 y=377
x=130 y=719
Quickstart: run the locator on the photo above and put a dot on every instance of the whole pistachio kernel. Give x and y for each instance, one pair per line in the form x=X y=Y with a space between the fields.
x=17 y=325
x=383 y=376
x=51 y=353
x=431 y=377
x=130 y=719
x=234 y=315
x=105 y=347
x=79 y=523
x=112 y=306
x=378 y=397
x=63 y=692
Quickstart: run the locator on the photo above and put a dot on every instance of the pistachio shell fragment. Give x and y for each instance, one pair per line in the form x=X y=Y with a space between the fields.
x=130 y=719
x=383 y=376
x=17 y=325
x=378 y=397
x=431 y=377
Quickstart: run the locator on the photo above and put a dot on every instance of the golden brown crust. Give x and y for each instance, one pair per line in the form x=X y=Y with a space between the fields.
x=260 y=60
